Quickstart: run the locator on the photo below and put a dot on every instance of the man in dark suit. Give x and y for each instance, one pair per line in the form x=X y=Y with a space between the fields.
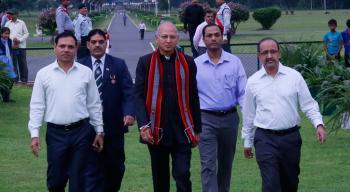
x=115 y=87
x=168 y=112
x=194 y=15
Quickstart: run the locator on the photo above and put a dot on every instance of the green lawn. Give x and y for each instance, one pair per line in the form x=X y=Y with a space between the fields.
x=324 y=168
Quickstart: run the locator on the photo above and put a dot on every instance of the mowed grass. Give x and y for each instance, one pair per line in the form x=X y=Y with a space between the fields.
x=324 y=168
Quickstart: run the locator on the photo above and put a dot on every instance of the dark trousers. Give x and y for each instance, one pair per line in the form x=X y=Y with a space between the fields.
x=83 y=51
x=226 y=47
x=191 y=32
x=142 y=33
x=278 y=157
x=181 y=162
x=105 y=170
x=217 y=146
x=5 y=93
x=347 y=59
x=19 y=58
x=66 y=156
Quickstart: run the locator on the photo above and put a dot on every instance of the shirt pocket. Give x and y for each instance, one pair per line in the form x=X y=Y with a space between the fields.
x=229 y=81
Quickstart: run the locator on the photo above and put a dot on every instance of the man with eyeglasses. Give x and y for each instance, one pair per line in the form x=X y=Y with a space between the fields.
x=272 y=100
x=168 y=113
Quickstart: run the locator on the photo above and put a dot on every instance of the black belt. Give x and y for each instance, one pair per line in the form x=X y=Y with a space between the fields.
x=67 y=127
x=220 y=112
x=283 y=131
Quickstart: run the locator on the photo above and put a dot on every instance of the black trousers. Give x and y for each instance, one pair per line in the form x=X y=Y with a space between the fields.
x=278 y=157
x=83 y=51
x=105 y=170
x=226 y=47
x=19 y=58
x=66 y=156
x=142 y=33
x=181 y=162
x=191 y=32
x=347 y=59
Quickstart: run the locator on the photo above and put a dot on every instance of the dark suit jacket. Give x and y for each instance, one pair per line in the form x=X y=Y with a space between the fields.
x=117 y=96
x=3 y=49
x=194 y=15
x=142 y=71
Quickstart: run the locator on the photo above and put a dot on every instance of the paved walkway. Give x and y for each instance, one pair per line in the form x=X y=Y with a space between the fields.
x=126 y=44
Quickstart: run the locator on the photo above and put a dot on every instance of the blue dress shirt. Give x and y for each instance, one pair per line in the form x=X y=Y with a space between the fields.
x=222 y=85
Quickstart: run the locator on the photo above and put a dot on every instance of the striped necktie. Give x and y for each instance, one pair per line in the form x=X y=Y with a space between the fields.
x=98 y=76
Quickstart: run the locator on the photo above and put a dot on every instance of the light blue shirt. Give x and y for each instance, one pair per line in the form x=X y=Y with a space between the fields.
x=333 y=41
x=82 y=26
x=63 y=21
x=222 y=85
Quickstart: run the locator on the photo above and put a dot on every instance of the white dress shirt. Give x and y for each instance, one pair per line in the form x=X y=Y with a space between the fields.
x=64 y=98
x=198 y=36
x=224 y=15
x=18 y=29
x=142 y=26
x=272 y=102
x=93 y=60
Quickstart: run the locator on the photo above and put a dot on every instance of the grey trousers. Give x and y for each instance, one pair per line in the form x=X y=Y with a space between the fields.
x=217 y=147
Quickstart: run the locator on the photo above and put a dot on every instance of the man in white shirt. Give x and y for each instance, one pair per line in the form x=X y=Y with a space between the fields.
x=272 y=100
x=65 y=94
x=198 y=42
x=142 y=27
x=19 y=34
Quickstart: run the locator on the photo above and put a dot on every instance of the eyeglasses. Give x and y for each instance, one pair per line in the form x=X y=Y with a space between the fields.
x=266 y=52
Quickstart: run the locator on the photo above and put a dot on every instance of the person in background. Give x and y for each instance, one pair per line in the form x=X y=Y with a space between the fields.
x=63 y=21
x=82 y=26
x=223 y=19
x=273 y=98
x=346 y=39
x=198 y=42
x=5 y=57
x=142 y=28
x=333 y=41
x=19 y=34
x=5 y=17
x=124 y=18
x=193 y=16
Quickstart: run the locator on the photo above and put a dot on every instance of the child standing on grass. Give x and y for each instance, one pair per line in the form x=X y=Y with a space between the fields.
x=346 y=38
x=333 y=41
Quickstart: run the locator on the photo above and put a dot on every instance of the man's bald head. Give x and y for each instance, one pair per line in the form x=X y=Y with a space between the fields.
x=166 y=25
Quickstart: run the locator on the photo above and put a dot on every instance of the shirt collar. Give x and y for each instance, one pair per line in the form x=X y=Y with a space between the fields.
x=93 y=59
x=223 y=58
x=223 y=5
x=281 y=70
x=56 y=66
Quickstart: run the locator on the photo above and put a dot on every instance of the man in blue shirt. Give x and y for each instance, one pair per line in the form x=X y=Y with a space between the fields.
x=333 y=41
x=221 y=82
x=82 y=27
x=346 y=39
x=63 y=21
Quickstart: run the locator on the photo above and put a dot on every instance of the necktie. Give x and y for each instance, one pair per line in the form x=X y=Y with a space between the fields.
x=98 y=77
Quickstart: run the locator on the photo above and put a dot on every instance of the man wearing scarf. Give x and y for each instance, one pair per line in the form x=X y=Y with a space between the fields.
x=168 y=113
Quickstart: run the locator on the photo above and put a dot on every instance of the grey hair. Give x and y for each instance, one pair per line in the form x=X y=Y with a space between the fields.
x=165 y=22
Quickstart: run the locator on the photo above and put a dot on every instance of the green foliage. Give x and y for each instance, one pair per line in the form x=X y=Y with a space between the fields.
x=239 y=13
x=4 y=79
x=328 y=81
x=47 y=22
x=267 y=17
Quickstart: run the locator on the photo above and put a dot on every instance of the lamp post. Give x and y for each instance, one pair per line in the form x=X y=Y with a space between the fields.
x=169 y=7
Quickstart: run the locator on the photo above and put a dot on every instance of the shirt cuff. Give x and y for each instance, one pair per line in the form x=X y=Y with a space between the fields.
x=318 y=122
x=98 y=129
x=248 y=143
x=34 y=133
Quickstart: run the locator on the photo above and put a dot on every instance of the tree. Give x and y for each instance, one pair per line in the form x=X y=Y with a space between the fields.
x=267 y=16
x=239 y=13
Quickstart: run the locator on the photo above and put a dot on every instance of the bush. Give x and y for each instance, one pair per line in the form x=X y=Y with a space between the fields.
x=47 y=22
x=5 y=81
x=239 y=13
x=267 y=17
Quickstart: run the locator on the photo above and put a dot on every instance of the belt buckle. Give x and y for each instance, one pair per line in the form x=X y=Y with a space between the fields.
x=66 y=127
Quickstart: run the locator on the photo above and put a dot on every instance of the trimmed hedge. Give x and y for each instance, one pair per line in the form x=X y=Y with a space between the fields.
x=267 y=17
